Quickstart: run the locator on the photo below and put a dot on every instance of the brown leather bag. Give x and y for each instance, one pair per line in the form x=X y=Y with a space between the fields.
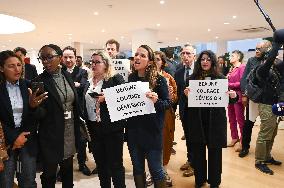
x=3 y=150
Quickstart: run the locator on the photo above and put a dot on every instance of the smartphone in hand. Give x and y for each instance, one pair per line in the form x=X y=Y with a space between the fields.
x=94 y=94
x=38 y=85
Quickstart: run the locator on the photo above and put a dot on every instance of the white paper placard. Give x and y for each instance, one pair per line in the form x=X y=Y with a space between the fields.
x=208 y=93
x=122 y=67
x=128 y=100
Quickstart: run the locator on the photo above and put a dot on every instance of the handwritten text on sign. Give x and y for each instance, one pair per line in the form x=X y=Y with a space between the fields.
x=128 y=100
x=122 y=67
x=208 y=93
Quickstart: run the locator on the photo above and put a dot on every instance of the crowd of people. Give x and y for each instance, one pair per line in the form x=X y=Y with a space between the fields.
x=47 y=118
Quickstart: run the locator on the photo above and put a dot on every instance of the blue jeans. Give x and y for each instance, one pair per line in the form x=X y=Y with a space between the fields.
x=154 y=159
x=26 y=178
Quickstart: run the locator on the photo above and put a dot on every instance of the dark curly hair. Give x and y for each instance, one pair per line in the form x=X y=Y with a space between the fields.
x=163 y=58
x=214 y=71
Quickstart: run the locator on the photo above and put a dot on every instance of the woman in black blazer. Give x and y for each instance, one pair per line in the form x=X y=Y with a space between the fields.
x=107 y=137
x=145 y=133
x=58 y=118
x=16 y=115
x=207 y=126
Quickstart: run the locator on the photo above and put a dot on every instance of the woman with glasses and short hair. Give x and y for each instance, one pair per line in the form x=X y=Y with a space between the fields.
x=106 y=137
x=145 y=132
x=58 y=118
x=207 y=126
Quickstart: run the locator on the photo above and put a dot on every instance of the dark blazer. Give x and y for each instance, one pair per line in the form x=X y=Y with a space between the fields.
x=108 y=126
x=213 y=134
x=182 y=101
x=147 y=130
x=80 y=75
x=30 y=71
x=50 y=115
x=28 y=121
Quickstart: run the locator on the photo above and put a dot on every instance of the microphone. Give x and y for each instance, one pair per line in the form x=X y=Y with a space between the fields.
x=278 y=109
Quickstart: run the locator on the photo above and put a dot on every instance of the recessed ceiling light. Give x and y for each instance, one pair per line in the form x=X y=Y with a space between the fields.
x=122 y=37
x=10 y=40
x=92 y=42
x=234 y=17
x=216 y=37
x=226 y=23
x=32 y=48
x=96 y=13
x=158 y=25
x=103 y=30
x=187 y=42
x=14 y=25
x=69 y=34
x=177 y=38
x=162 y=2
x=208 y=30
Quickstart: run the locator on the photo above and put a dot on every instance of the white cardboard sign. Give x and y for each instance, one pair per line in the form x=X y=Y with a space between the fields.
x=128 y=100
x=208 y=93
x=122 y=67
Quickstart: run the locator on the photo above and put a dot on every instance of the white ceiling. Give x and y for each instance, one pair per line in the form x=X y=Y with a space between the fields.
x=189 y=20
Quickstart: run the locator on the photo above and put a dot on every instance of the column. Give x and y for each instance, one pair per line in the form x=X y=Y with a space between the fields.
x=79 y=48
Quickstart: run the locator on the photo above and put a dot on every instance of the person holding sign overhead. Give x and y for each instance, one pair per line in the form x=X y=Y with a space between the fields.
x=107 y=137
x=207 y=126
x=145 y=132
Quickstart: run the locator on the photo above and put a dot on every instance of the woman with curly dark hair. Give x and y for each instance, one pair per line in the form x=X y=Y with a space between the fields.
x=207 y=126
x=145 y=133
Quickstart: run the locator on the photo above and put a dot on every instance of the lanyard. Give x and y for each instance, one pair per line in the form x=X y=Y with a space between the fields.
x=65 y=89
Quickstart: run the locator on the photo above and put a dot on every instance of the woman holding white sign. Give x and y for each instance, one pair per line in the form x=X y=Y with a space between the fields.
x=106 y=137
x=207 y=126
x=145 y=133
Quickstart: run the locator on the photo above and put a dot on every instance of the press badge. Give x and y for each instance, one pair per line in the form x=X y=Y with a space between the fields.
x=67 y=115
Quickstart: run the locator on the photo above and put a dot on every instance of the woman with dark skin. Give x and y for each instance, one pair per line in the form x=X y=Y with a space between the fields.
x=58 y=118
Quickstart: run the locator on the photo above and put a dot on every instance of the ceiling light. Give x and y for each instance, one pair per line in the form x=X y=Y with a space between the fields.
x=10 y=40
x=208 y=30
x=187 y=42
x=32 y=48
x=69 y=34
x=162 y=2
x=92 y=42
x=177 y=38
x=103 y=30
x=158 y=25
x=3 y=46
x=96 y=13
x=226 y=23
x=14 y=25
x=122 y=37
x=234 y=17
x=216 y=37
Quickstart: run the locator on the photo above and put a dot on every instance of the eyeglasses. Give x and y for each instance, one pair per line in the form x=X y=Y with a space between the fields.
x=97 y=62
x=257 y=49
x=185 y=53
x=48 y=58
x=206 y=59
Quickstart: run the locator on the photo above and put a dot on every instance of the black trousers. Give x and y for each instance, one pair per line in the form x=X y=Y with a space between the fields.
x=81 y=151
x=186 y=135
x=247 y=131
x=108 y=154
x=200 y=164
x=48 y=177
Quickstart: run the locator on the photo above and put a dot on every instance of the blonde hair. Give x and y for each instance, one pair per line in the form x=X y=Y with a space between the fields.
x=107 y=61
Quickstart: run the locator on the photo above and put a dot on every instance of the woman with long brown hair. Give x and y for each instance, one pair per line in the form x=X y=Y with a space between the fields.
x=145 y=132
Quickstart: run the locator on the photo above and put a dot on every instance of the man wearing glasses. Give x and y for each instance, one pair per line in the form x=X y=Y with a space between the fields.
x=187 y=55
x=251 y=107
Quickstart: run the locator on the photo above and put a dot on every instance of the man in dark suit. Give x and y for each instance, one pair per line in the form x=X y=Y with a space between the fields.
x=223 y=65
x=29 y=70
x=80 y=77
x=187 y=59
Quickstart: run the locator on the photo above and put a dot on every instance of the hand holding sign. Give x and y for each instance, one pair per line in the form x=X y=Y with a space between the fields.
x=153 y=96
x=232 y=94
x=186 y=91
